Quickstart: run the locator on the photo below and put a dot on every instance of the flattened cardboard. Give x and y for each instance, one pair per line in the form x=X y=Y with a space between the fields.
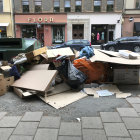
x=110 y=53
x=59 y=89
x=101 y=57
x=39 y=80
x=40 y=67
x=63 y=99
x=110 y=87
x=53 y=53
x=9 y=81
x=22 y=94
x=123 y=95
x=91 y=92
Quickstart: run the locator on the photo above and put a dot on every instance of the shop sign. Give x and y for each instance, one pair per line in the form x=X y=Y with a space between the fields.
x=40 y=19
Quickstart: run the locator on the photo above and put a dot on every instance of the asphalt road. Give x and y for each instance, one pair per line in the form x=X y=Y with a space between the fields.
x=88 y=106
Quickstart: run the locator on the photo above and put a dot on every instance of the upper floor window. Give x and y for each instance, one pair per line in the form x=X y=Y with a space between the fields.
x=38 y=6
x=1 y=5
x=137 y=4
x=97 y=5
x=25 y=6
x=110 y=5
x=56 y=6
x=78 y=5
x=67 y=6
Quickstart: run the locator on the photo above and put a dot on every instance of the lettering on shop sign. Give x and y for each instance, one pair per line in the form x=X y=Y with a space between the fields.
x=40 y=19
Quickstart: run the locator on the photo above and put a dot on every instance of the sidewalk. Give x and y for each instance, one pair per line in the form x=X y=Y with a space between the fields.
x=124 y=124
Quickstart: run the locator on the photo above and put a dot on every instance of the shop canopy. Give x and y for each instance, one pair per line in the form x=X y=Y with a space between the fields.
x=137 y=26
x=4 y=24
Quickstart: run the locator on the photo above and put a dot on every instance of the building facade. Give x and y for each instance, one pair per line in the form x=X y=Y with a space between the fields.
x=131 y=16
x=56 y=21
x=6 y=19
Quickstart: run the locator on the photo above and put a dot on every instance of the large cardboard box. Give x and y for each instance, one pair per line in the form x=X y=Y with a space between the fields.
x=127 y=76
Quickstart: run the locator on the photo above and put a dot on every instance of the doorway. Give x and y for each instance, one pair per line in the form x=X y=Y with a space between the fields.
x=78 y=31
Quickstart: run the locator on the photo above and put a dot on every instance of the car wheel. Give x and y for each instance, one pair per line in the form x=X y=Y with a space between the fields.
x=111 y=48
x=137 y=49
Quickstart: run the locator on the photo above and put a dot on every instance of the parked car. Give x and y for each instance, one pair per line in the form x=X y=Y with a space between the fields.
x=76 y=44
x=124 y=43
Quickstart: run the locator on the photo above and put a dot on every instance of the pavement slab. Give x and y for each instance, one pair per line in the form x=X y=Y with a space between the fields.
x=91 y=122
x=69 y=138
x=32 y=116
x=5 y=133
x=136 y=107
x=135 y=134
x=132 y=123
x=50 y=122
x=110 y=117
x=94 y=134
x=118 y=138
x=127 y=112
x=18 y=137
x=9 y=121
x=46 y=134
x=133 y=100
x=70 y=129
x=2 y=114
x=26 y=128
x=116 y=130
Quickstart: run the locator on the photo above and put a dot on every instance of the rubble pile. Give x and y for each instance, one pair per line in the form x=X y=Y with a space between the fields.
x=60 y=76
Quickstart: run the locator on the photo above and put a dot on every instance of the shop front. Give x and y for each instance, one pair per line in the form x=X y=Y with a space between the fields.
x=49 y=29
x=97 y=28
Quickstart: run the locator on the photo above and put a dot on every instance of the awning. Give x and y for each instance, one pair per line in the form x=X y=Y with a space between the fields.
x=4 y=24
x=137 y=26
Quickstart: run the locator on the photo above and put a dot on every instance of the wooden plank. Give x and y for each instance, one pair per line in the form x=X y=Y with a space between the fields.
x=39 y=80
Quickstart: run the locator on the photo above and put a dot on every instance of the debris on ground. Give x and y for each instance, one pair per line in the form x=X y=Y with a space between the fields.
x=62 y=76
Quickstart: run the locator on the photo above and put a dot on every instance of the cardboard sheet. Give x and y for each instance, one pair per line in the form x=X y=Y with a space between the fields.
x=110 y=87
x=59 y=89
x=110 y=53
x=123 y=95
x=52 y=53
x=40 y=67
x=39 y=80
x=101 y=57
x=91 y=92
x=63 y=99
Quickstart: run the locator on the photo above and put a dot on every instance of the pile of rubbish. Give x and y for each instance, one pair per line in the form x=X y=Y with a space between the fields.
x=60 y=76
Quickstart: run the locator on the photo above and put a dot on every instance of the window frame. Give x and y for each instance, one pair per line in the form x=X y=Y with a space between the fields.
x=97 y=8
x=38 y=6
x=67 y=9
x=78 y=8
x=110 y=7
x=56 y=9
x=137 y=4
x=25 y=6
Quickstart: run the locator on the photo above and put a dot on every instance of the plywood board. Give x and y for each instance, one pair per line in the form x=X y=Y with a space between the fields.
x=101 y=57
x=40 y=67
x=39 y=80
x=63 y=99
x=62 y=51
x=59 y=89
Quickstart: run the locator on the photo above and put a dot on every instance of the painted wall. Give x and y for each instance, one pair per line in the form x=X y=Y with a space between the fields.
x=128 y=27
x=89 y=19
x=130 y=4
x=7 y=17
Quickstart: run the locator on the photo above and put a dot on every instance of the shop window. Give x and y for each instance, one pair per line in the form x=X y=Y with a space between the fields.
x=25 y=6
x=29 y=31
x=67 y=6
x=78 y=5
x=56 y=6
x=1 y=5
x=110 y=5
x=38 y=6
x=137 y=4
x=97 y=5
x=3 y=32
x=58 y=34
